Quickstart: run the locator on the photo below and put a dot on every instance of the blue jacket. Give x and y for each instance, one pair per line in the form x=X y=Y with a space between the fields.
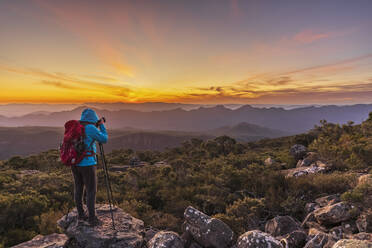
x=92 y=134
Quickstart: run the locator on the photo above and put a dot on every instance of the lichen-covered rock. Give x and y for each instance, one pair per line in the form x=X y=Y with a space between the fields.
x=364 y=222
x=333 y=214
x=281 y=225
x=165 y=239
x=295 y=239
x=319 y=239
x=207 y=231
x=352 y=243
x=303 y=171
x=257 y=239
x=328 y=200
x=298 y=151
x=363 y=236
x=128 y=233
x=54 y=240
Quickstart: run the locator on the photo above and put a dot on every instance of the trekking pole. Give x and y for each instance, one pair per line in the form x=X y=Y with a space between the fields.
x=108 y=184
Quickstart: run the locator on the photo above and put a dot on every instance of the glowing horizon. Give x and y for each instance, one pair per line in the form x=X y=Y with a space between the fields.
x=210 y=52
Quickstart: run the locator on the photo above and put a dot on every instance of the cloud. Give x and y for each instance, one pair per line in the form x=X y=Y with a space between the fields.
x=59 y=85
x=339 y=65
x=69 y=82
x=309 y=36
x=337 y=93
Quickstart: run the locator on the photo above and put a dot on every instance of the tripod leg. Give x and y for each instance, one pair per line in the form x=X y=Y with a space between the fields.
x=108 y=184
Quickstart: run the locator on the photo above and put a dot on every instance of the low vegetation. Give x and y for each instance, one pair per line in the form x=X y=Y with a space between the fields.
x=221 y=177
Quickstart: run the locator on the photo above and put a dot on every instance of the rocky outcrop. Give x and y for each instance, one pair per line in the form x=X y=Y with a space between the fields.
x=207 y=231
x=333 y=214
x=165 y=240
x=128 y=232
x=303 y=171
x=298 y=151
x=257 y=239
x=281 y=225
x=352 y=243
x=322 y=228
x=54 y=240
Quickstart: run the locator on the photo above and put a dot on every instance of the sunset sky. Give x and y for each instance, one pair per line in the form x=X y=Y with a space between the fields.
x=195 y=51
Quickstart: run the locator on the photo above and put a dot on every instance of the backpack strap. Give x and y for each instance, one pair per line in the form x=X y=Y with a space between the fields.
x=92 y=153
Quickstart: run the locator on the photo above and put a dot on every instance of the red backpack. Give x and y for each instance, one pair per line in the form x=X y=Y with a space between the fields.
x=72 y=150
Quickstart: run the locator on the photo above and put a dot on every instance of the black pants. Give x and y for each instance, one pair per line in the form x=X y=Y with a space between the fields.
x=85 y=176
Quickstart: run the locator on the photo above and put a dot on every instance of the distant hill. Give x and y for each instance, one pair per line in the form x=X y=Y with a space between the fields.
x=203 y=119
x=19 y=109
x=32 y=139
x=247 y=132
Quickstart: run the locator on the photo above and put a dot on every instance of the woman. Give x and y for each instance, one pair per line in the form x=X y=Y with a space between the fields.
x=84 y=173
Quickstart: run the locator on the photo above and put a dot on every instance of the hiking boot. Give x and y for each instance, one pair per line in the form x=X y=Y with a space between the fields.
x=94 y=221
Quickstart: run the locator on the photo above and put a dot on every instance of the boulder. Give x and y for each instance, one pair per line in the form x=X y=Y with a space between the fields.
x=207 y=231
x=295 y=239
x=319 y=239
x=309 y=159
x=269 y=161
x=328 y=200
x=364 y=222
x=303 y=171
x=281 y=225
x=311 y=206
x=352 y=243
x=309 y=218
x=333 y=214
x=298 y=151
x=165 y=239
x=365 y=179
x=54 y=240
x=257 y=239
x=363 y=236
x=128 y=230
x=149 y=233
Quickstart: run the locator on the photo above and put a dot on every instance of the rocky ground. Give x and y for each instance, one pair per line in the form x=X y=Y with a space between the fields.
x=330 y=223
x=327 y=225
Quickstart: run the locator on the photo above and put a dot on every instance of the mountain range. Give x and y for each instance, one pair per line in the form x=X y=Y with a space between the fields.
x=32 y=140
x=202 y=119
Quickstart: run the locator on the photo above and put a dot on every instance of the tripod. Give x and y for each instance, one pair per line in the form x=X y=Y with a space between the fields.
x=108 y=183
